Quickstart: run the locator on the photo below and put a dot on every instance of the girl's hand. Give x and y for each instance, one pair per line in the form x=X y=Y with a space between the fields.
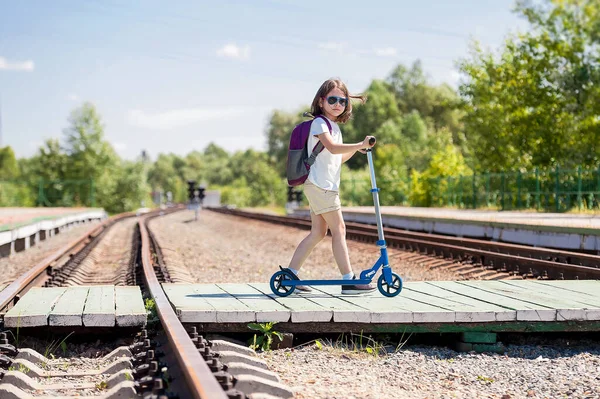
x=366 y=143
x=362 y=151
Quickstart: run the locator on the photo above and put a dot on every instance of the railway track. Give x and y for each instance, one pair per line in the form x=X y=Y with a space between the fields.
x=160 y=360
x=472 y=258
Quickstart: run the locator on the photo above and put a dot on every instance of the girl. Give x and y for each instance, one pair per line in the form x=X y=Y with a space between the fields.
x=332 y=101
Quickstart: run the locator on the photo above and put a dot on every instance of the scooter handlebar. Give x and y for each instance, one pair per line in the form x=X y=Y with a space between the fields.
x=372 y=141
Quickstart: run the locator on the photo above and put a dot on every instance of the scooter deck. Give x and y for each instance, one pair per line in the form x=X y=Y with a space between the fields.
x=324 y=282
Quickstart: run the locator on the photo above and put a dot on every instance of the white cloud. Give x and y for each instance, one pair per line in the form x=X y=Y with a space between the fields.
x=181 y=117
x=16 y=66
x=385 y=52
x=73 y=97
x=234 y=51
x=333 y=46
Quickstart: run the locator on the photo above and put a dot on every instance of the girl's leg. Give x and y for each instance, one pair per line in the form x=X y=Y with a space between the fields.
x=318 y=231
x=336 y=224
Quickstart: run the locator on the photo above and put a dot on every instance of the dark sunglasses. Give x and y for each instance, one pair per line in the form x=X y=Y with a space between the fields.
x=331 y=100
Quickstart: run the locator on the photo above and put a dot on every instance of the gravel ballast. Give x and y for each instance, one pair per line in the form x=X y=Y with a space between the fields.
x=221 y=248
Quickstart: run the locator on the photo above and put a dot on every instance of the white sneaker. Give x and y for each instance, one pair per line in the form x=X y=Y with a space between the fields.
x=348 y=289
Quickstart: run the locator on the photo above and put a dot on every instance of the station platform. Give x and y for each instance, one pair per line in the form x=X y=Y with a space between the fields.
x=432 y=306
x=21 y=228
x=81 y=306
x=552 y=230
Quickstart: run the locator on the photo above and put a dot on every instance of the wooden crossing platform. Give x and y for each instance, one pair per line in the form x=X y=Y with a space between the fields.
x=87 y=306
x=433 y=306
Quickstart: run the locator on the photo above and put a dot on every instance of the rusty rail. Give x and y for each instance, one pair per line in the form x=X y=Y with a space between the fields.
x=201 y=381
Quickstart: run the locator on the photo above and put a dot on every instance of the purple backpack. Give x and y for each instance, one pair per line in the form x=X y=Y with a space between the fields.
x=298 y=161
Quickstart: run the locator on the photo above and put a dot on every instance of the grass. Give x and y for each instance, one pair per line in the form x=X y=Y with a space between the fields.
x=360 y=344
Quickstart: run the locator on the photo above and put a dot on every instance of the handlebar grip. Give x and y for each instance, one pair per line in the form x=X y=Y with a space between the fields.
x=372 y=141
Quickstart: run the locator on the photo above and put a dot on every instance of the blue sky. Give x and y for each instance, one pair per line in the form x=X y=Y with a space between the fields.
x=172 y=78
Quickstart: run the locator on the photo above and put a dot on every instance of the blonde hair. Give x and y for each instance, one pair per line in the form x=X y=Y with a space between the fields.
x=326 y=87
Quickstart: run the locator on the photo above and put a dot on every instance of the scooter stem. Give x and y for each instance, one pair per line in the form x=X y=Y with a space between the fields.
x=375 y=192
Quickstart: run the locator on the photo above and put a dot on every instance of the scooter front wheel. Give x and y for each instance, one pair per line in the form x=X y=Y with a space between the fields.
x=392 y=289
x=277 y=279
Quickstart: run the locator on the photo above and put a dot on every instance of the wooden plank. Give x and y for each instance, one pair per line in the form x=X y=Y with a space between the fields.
x=565 y=309
x=525 y=311
x=228 y=308
x=189 y=306
x=68 y=310
x=587 y=291
x=267 y=309
x=33 y=309
x=301 y=308
x=130 y=310
x=587 y=303
x=398 y=309
x=344 y=311
x=475 y=310
x=362 y=304
x=100 y=307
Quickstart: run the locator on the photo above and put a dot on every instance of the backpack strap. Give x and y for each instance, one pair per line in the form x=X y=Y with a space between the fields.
x=319 y=147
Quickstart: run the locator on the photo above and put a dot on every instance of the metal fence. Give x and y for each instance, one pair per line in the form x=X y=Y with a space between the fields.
x=553 y=190
x=48 y=193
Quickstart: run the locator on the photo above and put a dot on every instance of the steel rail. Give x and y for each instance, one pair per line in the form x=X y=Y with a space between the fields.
x=201 y=381
x=506 y=257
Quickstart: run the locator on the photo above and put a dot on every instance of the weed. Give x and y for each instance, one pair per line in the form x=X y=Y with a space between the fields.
x=150 y=305
x=49 y=351
x=486 y=380
x=102 y=385
x=402 y=342
x=21 y=368
x=265 y=340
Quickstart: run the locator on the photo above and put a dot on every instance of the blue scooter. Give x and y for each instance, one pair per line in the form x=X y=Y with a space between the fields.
x=284 y=281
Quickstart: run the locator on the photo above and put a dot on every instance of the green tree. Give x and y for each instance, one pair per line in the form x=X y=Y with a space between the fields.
x=48 y=170
x=50 y=163
x=536 y=104
x=9 y=168
x=438 y=106
x=14 y=191
x=252 y=169
x=130 y=189
x=90 y=156
x=164 y=176
x=217 y=165
x=434 y=184
x=278 y=132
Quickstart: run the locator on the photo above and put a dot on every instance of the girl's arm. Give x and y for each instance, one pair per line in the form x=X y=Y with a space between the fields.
x=349 y=149
x=347 y=156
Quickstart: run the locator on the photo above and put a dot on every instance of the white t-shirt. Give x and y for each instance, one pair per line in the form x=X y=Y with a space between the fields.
x=325 y=172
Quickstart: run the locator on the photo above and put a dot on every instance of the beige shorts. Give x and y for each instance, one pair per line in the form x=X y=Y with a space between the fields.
x=321 y=201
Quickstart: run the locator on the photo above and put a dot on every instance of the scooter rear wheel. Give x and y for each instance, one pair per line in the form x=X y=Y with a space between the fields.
x=277 y=279
x=392 y=289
